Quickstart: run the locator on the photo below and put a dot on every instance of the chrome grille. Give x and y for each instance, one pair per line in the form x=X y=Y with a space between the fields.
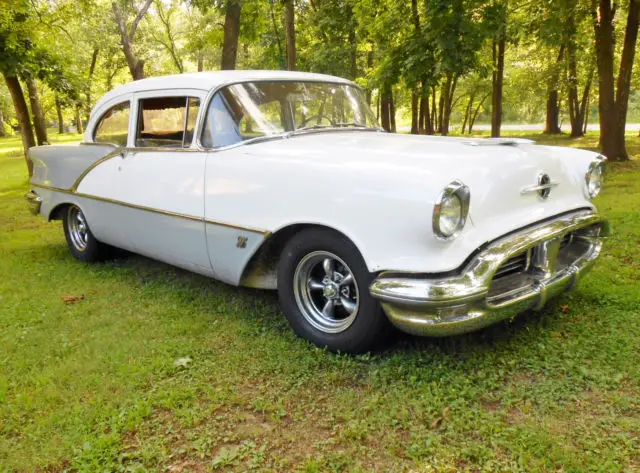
x=516 y=264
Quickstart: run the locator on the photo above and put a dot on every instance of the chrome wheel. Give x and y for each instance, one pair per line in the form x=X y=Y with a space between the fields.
x=326 y=292
x=78 y=228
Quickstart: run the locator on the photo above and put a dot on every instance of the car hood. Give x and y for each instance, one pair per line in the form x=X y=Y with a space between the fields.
x=496 y=171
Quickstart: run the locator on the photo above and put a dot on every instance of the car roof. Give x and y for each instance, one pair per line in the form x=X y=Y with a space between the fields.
x=210 y=80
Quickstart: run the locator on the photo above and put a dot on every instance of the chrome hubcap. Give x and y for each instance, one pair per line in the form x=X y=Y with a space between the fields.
x=326 y=292
x=78 y=228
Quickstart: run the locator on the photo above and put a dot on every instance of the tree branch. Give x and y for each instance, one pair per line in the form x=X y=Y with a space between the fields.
x=120 y=21
x=138 y=18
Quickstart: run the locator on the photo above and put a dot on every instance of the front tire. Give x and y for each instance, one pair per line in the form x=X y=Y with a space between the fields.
x=82 y=243
x=323 y=287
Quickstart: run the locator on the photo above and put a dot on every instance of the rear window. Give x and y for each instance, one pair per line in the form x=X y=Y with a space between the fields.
x=113 y=126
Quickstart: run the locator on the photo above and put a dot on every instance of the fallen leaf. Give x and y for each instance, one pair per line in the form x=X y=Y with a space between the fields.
x=182 y=362
x=436 y=423
x=564 y=308
x=72 y=299
x=260 y=319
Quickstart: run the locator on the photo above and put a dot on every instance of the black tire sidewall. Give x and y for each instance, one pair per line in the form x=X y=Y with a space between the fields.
x=370 y=326
x=94 y=250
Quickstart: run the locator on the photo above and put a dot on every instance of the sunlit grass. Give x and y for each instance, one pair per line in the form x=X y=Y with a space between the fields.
x=156 y=369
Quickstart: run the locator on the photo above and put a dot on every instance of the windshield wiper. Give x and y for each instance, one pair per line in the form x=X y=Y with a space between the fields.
x=345 y=124
x=311 y=127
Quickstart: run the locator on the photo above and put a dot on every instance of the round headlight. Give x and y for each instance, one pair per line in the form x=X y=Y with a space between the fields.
x=450 y=211
x=595 y=177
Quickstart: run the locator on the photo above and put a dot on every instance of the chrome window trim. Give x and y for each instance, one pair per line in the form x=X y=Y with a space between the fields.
x=463 y=192
x=284 y=135
x=97 y=122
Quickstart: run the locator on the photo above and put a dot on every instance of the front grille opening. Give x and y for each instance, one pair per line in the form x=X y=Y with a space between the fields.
x=514 y=265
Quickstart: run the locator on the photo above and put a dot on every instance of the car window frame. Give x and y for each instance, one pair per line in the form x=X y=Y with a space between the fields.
x=108 y=107
x=199 y=94
x=207 y=103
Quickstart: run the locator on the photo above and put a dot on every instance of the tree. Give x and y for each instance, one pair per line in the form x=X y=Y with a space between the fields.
x=231 y=34
x=614 y=98
x=168 y=36
x=127 y=35
x=290 y=34
x=22 y=114
x=499 y=45
x=36 y=108
x=16 y=53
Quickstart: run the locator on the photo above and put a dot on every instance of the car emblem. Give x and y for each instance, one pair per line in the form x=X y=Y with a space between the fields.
x=543 y=188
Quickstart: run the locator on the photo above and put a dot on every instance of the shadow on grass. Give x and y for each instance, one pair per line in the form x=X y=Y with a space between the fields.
x=247 y=305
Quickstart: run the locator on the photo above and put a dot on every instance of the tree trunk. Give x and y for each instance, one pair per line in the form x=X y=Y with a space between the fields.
x=60 y=118
x=613 y=104
x=498 y=81
x=625 y=75
x=434 y=125
x=231 y=35
x=200 y=61
x=415 y=113
x=392 y=113
x=385 y=107
x=586 y=113
x=136 y=66
x=440 y=110
x=475 y=114
x=449 y=92
x=92 y=68
x=370 y=58
x=39 y=124
x=3 y=132
x=552 y=126
x=290 y=34
x=22 y=114
x=79 y=127
x=467 y=113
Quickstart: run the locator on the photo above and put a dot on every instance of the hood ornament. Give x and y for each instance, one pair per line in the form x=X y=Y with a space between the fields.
x=543 y=188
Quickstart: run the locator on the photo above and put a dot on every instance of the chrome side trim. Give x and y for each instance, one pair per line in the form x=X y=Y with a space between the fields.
x=444 y=305
x=116 y=152
x=154 y=210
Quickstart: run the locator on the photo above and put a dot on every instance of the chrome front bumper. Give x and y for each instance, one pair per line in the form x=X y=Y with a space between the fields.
x=558 y=252
x=34 y=201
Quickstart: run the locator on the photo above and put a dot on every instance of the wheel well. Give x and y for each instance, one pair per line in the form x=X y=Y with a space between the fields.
x=58 y=211
x=262 y=269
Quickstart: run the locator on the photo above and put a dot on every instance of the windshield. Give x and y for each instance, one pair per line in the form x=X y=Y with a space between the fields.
x=252 y=110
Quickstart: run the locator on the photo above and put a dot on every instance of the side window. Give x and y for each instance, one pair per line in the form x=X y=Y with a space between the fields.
x=113 y=126
x=228 y=122
x=166 y=122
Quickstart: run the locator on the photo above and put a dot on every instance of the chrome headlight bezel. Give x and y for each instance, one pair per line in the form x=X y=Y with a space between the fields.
x=598 y=165
x=455 y=189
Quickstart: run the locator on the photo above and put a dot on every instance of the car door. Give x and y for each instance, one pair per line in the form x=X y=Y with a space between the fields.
x=158 y=180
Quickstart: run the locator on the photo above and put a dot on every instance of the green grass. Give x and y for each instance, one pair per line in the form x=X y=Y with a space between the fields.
x=157 y=369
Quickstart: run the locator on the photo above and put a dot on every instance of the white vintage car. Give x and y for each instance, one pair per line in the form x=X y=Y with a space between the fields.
x=283 y=180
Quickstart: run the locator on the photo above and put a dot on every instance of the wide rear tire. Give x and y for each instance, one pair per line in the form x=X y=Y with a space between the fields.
x=323 y=287
x=82 y=243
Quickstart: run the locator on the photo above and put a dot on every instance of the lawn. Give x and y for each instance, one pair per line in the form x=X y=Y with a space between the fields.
x=150 y=368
